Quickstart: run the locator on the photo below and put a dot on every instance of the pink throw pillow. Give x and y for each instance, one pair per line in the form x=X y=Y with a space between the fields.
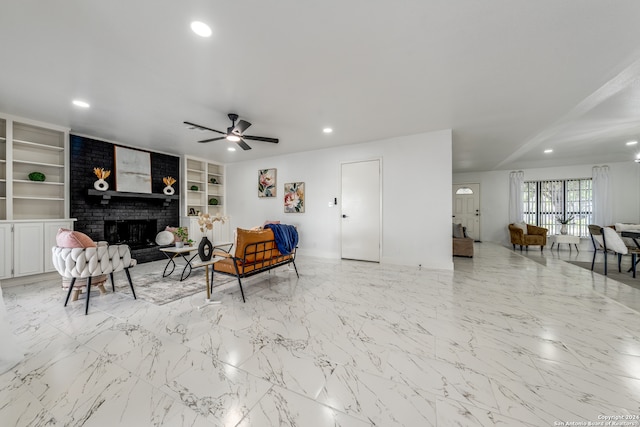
x=173 y=230
x=73 y=239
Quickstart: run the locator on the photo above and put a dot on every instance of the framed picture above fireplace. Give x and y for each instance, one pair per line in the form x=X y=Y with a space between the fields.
x=133 y=170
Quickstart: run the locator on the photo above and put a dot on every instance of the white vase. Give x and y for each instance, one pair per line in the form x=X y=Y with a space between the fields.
x=563 y=229
x=101 y=185
x=169 y=191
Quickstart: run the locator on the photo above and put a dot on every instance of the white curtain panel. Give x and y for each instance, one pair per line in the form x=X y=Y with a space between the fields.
x=602 y=210
x=516 y=208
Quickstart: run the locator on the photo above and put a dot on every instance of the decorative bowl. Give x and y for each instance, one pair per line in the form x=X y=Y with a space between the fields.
x=36 y=176
x=164 y=238
x=213 y=201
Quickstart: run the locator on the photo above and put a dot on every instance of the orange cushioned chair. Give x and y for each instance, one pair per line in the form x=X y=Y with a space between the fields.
x=256 y=251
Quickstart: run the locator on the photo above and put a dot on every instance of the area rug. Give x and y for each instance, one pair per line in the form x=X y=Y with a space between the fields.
x=160 y=290
x=612 y=272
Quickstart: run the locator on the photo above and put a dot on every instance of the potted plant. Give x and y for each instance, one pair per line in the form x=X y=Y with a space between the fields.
x=564 y=220
x=182 y=234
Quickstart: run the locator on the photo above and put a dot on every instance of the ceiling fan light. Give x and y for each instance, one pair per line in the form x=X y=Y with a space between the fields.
x=201 y=29
x=632 y=142
x=80 y=103
x=233 y=138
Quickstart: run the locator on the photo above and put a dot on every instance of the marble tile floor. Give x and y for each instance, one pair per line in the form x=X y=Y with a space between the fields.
x=503 y=340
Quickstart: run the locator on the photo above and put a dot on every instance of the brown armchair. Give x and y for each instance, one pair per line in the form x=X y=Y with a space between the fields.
x=536 y=236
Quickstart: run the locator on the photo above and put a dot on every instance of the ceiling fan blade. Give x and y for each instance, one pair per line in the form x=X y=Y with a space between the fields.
x=261 y=138
x=203 y=127
x=241 y=127
x=243 y=145
x=213 y=139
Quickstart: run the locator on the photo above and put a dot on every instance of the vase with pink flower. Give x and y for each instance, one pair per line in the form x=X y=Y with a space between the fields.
x=206 y=221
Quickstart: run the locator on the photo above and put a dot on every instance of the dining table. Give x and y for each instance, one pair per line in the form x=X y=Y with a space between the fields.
x=635 y=236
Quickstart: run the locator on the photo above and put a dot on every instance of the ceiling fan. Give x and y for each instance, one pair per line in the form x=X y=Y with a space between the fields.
x=234 y=133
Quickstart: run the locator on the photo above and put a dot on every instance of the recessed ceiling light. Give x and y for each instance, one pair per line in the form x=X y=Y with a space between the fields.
x=79 y=103
x=201 y=29
x=548 y=150
x=632 y=142
x=231 y=149
x=327 y=130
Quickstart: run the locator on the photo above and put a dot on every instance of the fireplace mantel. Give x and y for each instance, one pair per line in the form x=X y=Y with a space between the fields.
x=107 y=195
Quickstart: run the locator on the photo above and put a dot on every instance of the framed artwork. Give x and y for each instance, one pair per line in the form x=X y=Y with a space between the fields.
x=133 y=170
x=267 y=183
x=294 y=197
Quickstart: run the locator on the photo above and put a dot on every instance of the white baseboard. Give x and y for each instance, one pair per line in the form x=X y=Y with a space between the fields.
x=24 y=280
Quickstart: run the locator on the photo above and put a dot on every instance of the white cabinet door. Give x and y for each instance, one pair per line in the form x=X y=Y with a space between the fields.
x=6 y=256
x=28 y=244
x=50 y=232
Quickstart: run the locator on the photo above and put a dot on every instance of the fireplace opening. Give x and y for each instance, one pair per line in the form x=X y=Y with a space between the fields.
x=137 y=233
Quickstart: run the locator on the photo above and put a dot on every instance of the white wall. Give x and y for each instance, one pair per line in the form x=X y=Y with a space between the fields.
x=416 y=175
x=494 y=194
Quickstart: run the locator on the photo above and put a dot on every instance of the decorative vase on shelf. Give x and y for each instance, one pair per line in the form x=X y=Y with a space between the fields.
x=563 y=229
x=205 y=249
x=101 y=174
x=101 y=185
x=169 y=191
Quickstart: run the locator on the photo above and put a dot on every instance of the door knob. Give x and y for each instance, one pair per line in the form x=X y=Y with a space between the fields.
x=344 y=216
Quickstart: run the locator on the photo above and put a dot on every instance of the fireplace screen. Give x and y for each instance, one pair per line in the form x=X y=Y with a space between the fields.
x=137 y=233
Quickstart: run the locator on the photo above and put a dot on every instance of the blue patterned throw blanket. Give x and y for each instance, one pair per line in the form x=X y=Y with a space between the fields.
x=286 y=237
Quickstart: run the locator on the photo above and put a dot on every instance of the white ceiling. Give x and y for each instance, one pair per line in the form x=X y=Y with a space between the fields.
x=510 y=77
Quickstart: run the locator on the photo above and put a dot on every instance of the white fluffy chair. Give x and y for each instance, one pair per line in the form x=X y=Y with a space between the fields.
x=80 y=263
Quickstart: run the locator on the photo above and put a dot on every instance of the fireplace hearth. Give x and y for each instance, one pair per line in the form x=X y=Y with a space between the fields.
x=137 y=233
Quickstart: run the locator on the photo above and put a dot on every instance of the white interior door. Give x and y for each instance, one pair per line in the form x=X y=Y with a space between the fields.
x=361 y=210
x=466 y=208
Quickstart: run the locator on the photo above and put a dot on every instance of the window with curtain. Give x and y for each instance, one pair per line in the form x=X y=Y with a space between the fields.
x=546 y=201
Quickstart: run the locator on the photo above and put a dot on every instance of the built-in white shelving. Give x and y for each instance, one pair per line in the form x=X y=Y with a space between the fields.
x=27 y=146
x=209 y=179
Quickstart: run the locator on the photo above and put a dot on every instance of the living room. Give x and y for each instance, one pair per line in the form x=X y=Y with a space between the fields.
x=439 y=93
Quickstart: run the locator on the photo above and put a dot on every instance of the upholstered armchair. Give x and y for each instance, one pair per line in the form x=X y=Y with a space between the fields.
x=78 y=263
x=534 y=236
x=462 y=244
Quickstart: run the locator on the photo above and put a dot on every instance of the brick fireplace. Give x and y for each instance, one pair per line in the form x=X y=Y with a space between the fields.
x=144 y=217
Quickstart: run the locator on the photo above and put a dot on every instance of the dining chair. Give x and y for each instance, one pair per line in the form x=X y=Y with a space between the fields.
x=614 y=243
x=595 y=231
